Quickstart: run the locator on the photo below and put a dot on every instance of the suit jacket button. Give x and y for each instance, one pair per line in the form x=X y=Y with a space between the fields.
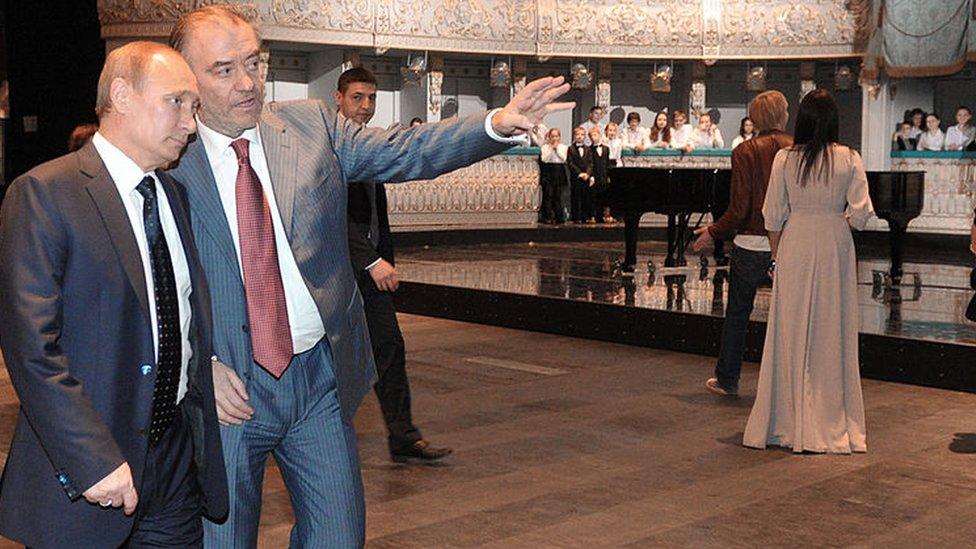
x=146 y=369
x=246 y=328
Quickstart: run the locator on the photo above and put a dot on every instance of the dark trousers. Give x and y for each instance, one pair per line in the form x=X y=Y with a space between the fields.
x=587 y=205
x=553 y=180
x=747 y=272
x=392 y=387
x=169 y=512
x=577 y=188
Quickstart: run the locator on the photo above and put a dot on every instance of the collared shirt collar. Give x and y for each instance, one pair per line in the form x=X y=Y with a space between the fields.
x=124 y=171
x=218 y=144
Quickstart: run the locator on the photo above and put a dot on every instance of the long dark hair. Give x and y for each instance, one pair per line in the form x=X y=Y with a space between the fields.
x=816 y=131
x=742 y=127
x=665 y=133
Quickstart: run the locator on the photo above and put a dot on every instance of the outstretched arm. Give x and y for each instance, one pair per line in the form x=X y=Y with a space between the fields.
x=429 y=150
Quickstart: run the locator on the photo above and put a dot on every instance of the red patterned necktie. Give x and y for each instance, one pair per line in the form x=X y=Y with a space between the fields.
x=267 y=311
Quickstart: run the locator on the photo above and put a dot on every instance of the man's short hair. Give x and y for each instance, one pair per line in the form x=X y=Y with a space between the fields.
x=353 y=75
x=595 y=108
x=769 y=111
x=184 y=25
x=130 y=63
x=633 y=115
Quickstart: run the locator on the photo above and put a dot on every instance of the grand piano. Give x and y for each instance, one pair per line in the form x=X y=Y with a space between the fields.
x=679 y=193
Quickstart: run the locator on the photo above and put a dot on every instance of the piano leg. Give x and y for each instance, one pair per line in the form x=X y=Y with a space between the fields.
x=669 y=261
x=681 y=244
x=896 y=237
x=631 y=226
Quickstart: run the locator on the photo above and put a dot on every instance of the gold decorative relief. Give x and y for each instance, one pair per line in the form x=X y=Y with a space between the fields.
x=690 y=29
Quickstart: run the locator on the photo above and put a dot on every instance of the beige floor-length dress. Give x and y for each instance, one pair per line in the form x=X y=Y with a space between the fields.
x=809 y=394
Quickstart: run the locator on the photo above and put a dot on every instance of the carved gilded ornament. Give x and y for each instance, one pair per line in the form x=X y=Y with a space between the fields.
x=702 y=29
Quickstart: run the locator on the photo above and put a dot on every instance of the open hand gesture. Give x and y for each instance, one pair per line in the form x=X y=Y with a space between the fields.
x=531 y=105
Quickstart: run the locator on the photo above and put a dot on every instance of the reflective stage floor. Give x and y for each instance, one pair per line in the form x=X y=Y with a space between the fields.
x=571 y=443
x=575 y=289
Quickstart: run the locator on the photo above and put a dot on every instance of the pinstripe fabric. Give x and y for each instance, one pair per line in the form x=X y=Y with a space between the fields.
x=297 y=419
x=311 y=155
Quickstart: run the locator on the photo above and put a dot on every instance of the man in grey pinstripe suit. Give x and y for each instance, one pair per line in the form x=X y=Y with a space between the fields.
x=295 y=397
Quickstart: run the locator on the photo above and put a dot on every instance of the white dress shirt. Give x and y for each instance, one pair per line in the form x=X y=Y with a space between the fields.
x=707 y=140
x=553 y=155
x=631 y=139
x=127 y=175
x=959 y=137
x=928 y=141
x=615 y=146
x=304 y=318
x=658 y=142
x=681 y=137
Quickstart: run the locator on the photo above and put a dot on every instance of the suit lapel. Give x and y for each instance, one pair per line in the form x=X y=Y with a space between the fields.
x=202 y=190
x=106 y=197
x=281 y=154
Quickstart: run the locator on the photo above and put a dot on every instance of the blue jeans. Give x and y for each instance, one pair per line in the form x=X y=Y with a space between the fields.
x=747 y=271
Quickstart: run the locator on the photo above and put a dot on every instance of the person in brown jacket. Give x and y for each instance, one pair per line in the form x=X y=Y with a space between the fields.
x=751 y=264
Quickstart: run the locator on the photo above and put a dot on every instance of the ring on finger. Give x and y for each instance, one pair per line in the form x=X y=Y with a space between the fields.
x=105 y=503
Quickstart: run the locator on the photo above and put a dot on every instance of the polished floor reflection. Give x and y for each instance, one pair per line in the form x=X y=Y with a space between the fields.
x=930 y=304
x=563 y=442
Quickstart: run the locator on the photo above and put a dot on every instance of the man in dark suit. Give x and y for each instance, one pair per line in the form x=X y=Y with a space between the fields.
x=371 y=251
x=579 y=162
x=106 y=329
x=293 y=353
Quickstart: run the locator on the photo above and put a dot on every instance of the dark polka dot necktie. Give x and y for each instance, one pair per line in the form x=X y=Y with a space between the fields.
x=167 y=316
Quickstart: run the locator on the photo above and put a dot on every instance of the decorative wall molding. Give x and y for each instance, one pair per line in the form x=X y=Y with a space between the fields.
x=676 y=29
x=501 y=190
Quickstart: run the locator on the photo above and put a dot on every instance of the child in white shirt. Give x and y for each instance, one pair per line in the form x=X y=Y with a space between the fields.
x=634 y=137
x=613 y=143
x=553 y=177
x=660 y=137
x=932 y=139
x=681 y=133
x=961 y=135
x=707 y=135
x=745 y=132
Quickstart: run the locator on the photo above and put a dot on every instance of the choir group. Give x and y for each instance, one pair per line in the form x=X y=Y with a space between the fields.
x=921 y=131
x=584 y=163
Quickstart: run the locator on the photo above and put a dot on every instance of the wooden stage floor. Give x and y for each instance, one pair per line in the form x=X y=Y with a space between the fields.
x=563 y=442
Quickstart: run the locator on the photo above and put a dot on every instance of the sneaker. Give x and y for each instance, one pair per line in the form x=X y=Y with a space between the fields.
x=713 y=387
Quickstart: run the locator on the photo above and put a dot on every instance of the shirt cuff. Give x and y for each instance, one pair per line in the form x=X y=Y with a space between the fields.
x=521 y=140
x=373 y=264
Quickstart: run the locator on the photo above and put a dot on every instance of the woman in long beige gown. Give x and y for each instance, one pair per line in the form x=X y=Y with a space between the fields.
x=809 y=394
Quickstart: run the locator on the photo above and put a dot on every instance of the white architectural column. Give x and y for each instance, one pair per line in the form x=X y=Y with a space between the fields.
x=878 y=119
x=435 y=81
